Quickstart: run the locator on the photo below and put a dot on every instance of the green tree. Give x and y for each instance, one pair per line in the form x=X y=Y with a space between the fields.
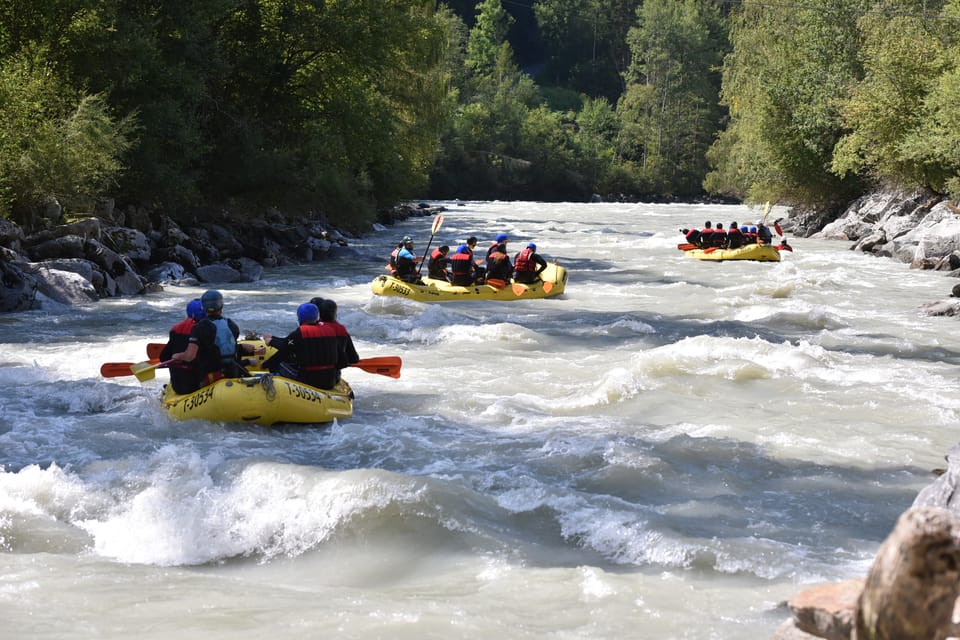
x=887 y=113
x=669 y=112
x=57 y=144
x=781 y=83
x=586 y=43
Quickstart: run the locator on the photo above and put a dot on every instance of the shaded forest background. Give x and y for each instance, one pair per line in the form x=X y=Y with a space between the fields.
x=344 y=107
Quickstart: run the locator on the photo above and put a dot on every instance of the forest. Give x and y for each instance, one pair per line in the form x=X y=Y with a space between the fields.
x=346 y=107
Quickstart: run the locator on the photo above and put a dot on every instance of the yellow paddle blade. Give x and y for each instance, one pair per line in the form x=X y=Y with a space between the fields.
x=145 y=370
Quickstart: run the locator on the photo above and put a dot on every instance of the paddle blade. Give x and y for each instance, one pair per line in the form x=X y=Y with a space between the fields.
x=385 y=365
x=144 y=371
x=154 y=349
x=437 y=222
x=118 y=369
x=710 y=250
x=147 y=370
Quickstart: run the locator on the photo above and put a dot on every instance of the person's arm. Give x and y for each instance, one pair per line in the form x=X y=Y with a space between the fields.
x=188 y=355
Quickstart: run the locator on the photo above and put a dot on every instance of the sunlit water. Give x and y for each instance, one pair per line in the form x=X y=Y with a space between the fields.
x=671 y=449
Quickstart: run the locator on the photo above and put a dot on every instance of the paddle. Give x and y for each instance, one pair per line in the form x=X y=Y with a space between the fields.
x=118 y=369
x=147 y=371
x=384 y=365
x=437 y=221
x=687 y=246
x=154 y=349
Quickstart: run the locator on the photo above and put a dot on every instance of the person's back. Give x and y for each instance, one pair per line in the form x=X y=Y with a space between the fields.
x=706 y=235
x=499 y=268
x=213 y=342
x=764 y=235
x=528 y=265
x=735 y=238
x=407 y=263
x=719 y=239
x=185 y=377
x=462 y=267
x=437 y=269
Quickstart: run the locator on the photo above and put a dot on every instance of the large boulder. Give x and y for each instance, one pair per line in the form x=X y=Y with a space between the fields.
x=129 y=242
x=69 y=246
x=220 y=273
x=65 y=287
x=18 y=287
x=912 y=588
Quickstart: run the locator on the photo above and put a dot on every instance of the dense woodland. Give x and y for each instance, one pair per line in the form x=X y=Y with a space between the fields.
x=343 y=107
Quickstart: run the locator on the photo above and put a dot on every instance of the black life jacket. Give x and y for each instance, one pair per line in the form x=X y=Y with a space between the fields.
x=317 y=348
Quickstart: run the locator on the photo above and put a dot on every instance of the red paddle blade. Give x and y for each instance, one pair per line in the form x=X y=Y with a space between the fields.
x=154 y=349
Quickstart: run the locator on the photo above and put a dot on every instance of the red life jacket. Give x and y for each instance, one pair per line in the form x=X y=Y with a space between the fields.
x=524 y=261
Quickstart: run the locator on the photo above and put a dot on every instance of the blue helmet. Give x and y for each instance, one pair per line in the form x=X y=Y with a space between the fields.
x=212 y=300
x=463 y=249
x=308 y=313
x=502 y=237
x=753 y=229
x=532 y=247
x=195 y=309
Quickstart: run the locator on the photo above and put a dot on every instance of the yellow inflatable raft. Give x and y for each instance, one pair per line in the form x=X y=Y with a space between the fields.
x=261 y=399
x=758 y=252
x=552 y=283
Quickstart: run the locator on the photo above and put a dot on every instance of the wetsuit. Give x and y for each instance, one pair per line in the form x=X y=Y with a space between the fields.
x=185 y=377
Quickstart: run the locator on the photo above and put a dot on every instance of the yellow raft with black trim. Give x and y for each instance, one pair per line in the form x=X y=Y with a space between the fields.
x=553 y=282
x=261 y=399
x=757 y=252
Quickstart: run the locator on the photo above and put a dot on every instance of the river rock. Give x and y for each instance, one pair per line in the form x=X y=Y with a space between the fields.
x=166 y=272
x=912 y=588
x=11 y=235
x=130 y=242
x=69 y=246
x=220 y=273
x=19 y=290
x=65 y=287
x=827 y=611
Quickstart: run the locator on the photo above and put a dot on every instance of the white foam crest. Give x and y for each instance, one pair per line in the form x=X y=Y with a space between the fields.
x=48 y=492
x=181 y=517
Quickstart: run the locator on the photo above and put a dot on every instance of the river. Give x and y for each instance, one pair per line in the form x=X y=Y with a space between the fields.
x=671 y=449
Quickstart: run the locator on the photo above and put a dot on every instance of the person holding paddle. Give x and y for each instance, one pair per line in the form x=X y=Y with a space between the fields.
x=213 y=343
x=316 y=350
x=528 y=265
x=407 y=262
x=185 y=377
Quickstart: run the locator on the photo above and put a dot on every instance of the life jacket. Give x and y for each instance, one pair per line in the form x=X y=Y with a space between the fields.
x=461 y=265
x=225 y=341
x=524 y=261
x=693 y=236
x=735 y=238
x=178 y=341
x=393 y=260
x=317 y=348
x=438 y=265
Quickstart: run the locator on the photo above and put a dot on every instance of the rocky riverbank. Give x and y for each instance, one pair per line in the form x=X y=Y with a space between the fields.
x=113 y=253
x=912 y=590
